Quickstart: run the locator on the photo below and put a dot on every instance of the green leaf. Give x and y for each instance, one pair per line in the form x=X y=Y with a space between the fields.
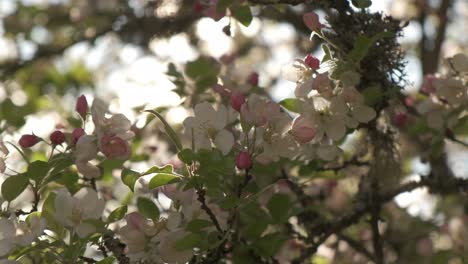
x=327 y=52
x=292 y=104
x=197 y=225
x=129 y=178
x=162 y=179
x=223 y=4
x=108 y=260
x=278 y=206
x=363 y=43
x=372 y=95
x=242 y=14
x=155 y=169
x=37 y=170
x=172 y=134
x=199 y=67
x=188 y=242
x=117 y=214
x=362 y=3
x=147 y=208
x=269 y=245
x=186 y=156
x=14 y=186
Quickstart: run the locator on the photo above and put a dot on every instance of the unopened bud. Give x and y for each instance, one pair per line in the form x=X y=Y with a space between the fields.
x=82 y=106
x=312 y=62
x=27 y=141
x=76 y=134
x=243 y=160
x=57 y=137
x=237 y=100
x=253 y=79
x=400 y=119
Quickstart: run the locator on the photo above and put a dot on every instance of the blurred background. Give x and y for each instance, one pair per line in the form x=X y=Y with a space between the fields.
x=130 y=53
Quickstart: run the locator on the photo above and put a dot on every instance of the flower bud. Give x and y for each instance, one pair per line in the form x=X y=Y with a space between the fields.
x=237 y=100
x=27 y=141
x=253 y=79
x=243 y=160
x=400 y=119
x=311 y=20
x=302 y=130
x=76 y=134
x=82 y=106
x=427 y=86
x=115 y=147
x=57 y=137
x=312 y=62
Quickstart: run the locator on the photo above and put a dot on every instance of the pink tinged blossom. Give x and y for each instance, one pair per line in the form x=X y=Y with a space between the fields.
x=400 y=119
x=115 y=147
x=27 y=141
x=57 y=137
x=237 y=100
x=253 y=79
x=427 y=86
x=303 y=130
x=243 y=160
x=76 y=134
x=311 y=20
x=312 y=62
x=82 y=106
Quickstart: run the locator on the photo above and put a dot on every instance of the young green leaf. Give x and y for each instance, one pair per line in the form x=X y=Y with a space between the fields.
x=172 y=134
x=162 y=179
x=292 y=104
x=147 y=208
x=242 y=14
x=129 y=178
x=14 y=186
x=117 y=214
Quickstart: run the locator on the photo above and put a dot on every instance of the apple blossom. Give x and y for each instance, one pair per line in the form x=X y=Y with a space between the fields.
x=3 y=154
x=27 y=141
x=7 y=236
x=115 y=147
x=75 y=211
x=302 y=130
x=460 y=62
x=208 y=127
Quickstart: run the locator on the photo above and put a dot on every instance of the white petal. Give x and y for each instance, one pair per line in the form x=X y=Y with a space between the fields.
x=460 y=62
x=292 y=72
x=64 y=204
x=204 y=112
x=335 y=128
x=303 y=89
x=328 y=152
x=88 y=170
x=89 y=203
x=84 y=229
x=363 y=113
x=224 y=141
x=221 y=118
x=86 y=148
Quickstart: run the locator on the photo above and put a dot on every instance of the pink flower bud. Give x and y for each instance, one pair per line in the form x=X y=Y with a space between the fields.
x=221 y=90
x=312 y=62
x=76 y=134
x=427 y=86
x=311 y=20
x=57 y=137
x=400 y=119
x=243 y=161
x=303 y=130
x=115 y=147
x=136 y=220
x=198 y=7
x=237 y=100
x=253 y=79
x=82 y=106
x=27 y=141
